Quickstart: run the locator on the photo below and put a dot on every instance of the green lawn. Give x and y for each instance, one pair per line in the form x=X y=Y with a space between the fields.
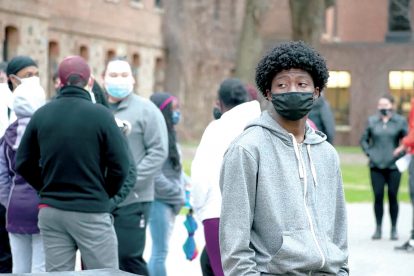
x=357 y=184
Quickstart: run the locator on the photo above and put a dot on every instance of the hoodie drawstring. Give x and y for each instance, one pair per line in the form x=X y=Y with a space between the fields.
x=302 y=175
x=298 y=157
x=313 y=170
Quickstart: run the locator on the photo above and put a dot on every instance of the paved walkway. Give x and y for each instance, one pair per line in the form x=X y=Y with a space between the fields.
x=367 y=257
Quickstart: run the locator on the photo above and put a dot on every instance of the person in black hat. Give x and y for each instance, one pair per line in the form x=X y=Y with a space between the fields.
x=75 y=156
x=21 y=68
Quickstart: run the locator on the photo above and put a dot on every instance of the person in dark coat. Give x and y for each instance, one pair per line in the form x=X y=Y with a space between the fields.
x=76 y=157
x=381 y=137
x=321 y=115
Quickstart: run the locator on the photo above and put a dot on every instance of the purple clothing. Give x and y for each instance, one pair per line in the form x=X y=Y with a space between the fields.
x=20 y=199
x=211 y=234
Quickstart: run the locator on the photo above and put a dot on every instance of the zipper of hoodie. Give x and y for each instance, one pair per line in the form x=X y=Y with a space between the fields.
x=305 y=183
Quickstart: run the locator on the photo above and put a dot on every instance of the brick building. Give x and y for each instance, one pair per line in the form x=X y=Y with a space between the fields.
x=98 y=30
x=367 y=59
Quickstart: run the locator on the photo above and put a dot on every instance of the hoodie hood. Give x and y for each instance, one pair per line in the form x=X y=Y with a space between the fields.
x=312 y=136
x=27 y=98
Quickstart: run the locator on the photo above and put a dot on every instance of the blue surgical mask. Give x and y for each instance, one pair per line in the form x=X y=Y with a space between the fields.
x=119 y=89
x=176 y=116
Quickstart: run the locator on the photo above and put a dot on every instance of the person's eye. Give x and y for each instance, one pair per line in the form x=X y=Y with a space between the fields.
x=113 y=75
x=125 y=75
x=281 y=85
x=303 y=84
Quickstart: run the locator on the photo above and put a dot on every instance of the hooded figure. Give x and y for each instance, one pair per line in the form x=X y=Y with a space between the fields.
x=20 y=199
x=283 y=208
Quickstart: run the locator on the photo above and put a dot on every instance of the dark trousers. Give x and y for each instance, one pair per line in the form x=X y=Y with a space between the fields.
x=205 y=264
x=130 y=224
x=380 y=178
x=5 y=254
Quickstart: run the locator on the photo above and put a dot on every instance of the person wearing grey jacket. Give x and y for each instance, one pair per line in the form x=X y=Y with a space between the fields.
x=283 y=208
x=148 y=142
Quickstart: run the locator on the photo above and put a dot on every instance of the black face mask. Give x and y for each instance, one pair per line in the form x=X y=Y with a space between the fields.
x=293 y=106
x=385 y=112
x=217 y=113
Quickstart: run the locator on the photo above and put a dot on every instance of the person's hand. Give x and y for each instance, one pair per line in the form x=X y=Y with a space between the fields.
x=399 y=149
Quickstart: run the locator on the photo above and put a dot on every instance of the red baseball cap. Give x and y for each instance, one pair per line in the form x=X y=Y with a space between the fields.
x=73 y=65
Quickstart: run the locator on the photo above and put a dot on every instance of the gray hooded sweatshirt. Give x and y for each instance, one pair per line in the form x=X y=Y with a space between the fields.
x=283 y=208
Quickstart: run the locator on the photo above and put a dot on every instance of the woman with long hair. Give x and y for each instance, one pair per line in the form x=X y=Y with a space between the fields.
x=169 y=188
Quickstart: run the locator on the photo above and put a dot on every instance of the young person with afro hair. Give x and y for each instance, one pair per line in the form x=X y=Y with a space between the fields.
x=283 y=208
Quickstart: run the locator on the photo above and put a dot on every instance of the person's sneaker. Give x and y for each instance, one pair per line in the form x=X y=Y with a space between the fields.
x=377 y=234
x=407 y=246
x=394 y=234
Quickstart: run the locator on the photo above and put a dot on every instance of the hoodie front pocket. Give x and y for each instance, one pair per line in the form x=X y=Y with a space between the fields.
x=297 y=253
x=336 y=258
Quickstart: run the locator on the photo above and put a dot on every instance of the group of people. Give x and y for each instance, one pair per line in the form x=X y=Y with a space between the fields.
x=90 y=169
x=86 y=171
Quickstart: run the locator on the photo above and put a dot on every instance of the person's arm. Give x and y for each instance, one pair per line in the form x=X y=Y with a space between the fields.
x=28 y=157
x=238 y=184
x=5 y=181
x=328 y=122
x=129 y=182
x=156 y=143
x=205 y=169
x=365 y=139
x=116 y=156
x=340 y=237
x=401 y=149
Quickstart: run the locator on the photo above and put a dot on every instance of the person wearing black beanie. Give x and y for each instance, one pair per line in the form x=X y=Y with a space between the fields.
x=20 y=67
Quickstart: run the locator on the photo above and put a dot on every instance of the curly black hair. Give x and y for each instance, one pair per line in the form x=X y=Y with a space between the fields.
x=294 y=54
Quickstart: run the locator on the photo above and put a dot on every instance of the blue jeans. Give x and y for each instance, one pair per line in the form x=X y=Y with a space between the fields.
x=27 y=252
x=161 y=223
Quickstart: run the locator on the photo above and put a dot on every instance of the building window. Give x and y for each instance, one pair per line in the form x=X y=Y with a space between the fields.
x=53 y=63
x=217 y=10
x=10 y=43
x=110 y=55
x=158 y=4
x=401 y=86
x=136 y=62
x=137 y=4
x=337 y=94
x=84 y=52
x=159 y=74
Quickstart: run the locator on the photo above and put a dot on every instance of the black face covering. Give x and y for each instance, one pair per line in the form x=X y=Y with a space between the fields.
x=293 y=106
x=385 y=112
x=217 y=113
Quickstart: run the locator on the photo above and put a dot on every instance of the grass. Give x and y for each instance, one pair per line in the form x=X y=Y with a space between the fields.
x=346 y=149
x=357 y=184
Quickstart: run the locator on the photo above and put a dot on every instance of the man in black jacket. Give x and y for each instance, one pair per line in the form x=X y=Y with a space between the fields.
x=74 y=155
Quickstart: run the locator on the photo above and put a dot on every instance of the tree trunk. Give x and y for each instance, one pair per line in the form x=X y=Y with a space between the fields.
x=308 y=18
x=200 y=39
x=251 y=44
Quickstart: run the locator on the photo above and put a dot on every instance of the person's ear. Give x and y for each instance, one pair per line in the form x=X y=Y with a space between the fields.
x=268 y=95
x=15 y=80
x=316 y=94
x=89 y=85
